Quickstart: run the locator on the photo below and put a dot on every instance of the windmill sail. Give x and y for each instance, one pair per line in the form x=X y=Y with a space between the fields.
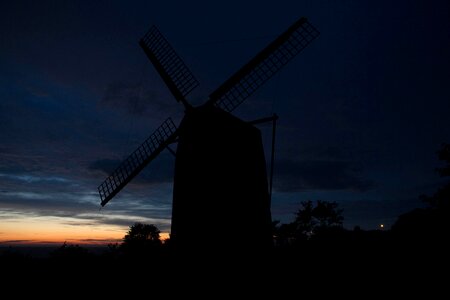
x=169 y=65
x=142 y=156
x=263 y=66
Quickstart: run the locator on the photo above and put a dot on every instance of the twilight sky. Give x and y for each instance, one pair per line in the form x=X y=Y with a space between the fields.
x=363 y=109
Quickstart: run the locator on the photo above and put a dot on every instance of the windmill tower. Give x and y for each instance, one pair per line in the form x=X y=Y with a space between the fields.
x=220 y=178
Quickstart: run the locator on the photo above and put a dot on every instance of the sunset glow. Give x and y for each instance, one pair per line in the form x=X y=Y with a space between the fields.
x=48 y=231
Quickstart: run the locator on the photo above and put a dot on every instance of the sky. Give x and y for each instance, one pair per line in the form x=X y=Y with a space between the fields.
x=363 y=109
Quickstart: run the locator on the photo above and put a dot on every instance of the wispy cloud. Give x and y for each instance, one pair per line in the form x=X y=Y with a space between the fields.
x=295 y=176
x=136 y=98
x=160 y=170
x=100 y=241
x=107 y=166
x=15 y=242
x=83 y=209
x=32 y=178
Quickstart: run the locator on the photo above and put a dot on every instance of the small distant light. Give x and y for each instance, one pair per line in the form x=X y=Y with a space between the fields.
x=381 y=226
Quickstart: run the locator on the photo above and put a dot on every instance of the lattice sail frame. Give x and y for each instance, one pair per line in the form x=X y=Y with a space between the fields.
x=169 y=65
x=263 y=66
x=130 y=167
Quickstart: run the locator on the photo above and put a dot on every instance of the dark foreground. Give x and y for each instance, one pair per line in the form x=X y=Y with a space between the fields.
x=323 y=265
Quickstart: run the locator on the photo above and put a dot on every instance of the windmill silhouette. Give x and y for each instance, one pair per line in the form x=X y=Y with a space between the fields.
x=220 y=182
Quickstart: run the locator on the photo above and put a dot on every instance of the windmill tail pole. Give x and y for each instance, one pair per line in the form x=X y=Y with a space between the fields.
x=272 y=157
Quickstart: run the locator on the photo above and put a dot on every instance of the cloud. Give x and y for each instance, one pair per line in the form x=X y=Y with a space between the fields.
x=37 y=91
x=106 y=166
x=295 y=176
x=32 y=178
x=15 y=241
x=162 y=223
x=160 y=170
x=40 y=204
x=72 y=209
x=135 y=98
x=99 y=241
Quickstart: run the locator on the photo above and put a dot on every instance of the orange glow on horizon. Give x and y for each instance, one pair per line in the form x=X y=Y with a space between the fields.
x=54 y=231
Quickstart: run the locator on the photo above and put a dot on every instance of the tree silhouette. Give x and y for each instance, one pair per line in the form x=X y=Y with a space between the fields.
x=305 y=221
x=433 y=222
x=142 y=233
x=327 y=214
x=310 y=221
x=141 y=239
x=441 y=199
x=444 y=154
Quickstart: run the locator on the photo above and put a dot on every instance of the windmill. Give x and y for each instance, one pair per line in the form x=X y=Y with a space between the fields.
x=220 y=182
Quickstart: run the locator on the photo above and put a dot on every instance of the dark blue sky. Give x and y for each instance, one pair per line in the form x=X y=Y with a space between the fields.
x=363 y=109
